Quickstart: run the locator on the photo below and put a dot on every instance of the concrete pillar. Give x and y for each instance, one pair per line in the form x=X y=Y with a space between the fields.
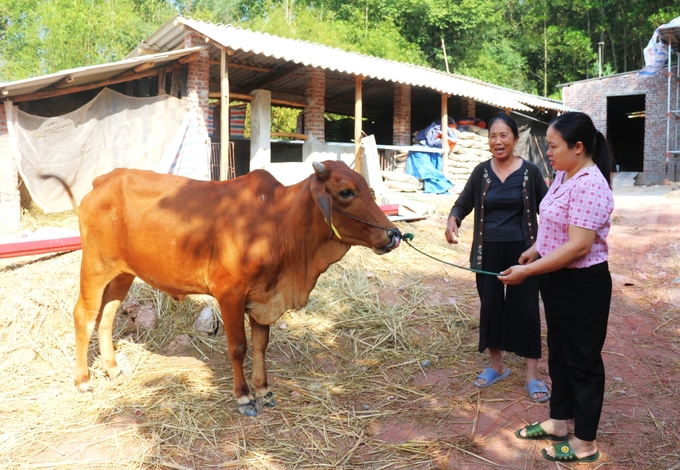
x=10 y=200
x=315 y=91
x=260 y=129
x=401 y=120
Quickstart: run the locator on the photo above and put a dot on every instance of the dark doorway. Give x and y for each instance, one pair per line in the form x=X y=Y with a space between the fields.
x=626 y=131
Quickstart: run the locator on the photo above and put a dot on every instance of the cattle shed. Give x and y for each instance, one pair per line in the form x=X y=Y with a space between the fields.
x=215 y=69
x=638 y=113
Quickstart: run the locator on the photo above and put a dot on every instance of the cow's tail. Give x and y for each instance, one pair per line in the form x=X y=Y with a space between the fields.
x=66 y=188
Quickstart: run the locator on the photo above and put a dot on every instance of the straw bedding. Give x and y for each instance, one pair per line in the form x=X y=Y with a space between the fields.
x=350 y=359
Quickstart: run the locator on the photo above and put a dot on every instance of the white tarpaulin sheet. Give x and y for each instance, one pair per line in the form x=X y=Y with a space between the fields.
x=656 y=52
x=111 y=131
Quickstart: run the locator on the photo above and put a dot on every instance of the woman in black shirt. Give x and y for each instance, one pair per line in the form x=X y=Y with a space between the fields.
x=504 y=192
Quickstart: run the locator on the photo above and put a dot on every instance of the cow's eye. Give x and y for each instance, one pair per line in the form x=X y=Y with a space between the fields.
x=346 y=193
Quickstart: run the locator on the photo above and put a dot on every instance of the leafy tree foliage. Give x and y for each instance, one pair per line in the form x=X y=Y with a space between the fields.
x=39 y=37
x=528 y=45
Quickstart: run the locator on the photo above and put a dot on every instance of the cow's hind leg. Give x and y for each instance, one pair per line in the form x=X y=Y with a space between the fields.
x=93 y=306
x=114 y=294
x=232 y=307
x=260 y=341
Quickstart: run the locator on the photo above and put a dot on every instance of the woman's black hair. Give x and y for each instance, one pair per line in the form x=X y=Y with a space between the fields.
x=578 y=127
x=507 y=120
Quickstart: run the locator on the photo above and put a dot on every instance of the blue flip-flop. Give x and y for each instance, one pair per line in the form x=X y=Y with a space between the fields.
x=538 y=386
x=491 y=377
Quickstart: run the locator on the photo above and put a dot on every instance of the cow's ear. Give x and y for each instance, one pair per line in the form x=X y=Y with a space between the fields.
x=322 y=199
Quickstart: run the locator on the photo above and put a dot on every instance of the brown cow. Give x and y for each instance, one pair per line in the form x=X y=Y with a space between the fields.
x=255 y=245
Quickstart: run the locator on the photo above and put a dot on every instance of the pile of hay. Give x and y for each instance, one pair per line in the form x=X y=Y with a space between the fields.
x=347 y=362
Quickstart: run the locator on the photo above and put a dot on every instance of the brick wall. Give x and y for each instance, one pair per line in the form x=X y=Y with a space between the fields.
x=470 y=107
x=401 y=121
x=315 y=91
x=10 y=202
x=198 y=79
x=590 y=97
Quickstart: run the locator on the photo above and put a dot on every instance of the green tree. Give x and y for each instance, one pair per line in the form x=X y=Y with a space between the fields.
x=41 y=37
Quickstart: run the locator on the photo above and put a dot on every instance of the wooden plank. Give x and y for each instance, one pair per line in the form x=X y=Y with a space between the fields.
x=372 y=171
x=290 y=134
x=445 y=132
x=224 y=115
x=357 y=123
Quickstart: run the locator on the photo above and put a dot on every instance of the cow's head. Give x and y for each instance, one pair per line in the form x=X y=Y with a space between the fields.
x=349 y=209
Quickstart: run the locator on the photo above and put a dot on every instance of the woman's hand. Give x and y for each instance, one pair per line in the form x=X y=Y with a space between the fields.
x=514 y=275
x=529 y=256
x=451 y=232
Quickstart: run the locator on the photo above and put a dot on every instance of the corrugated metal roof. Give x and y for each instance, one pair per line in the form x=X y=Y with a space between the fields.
x=86 y=75
x=526 y=98
x=171 y=35
x=270 y=54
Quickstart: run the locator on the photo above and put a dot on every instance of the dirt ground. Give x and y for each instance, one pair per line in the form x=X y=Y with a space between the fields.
x=389 y=414
x=640 y=425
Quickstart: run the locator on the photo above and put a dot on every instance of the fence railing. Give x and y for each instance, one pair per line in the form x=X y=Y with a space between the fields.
x=216 y=159
x=387 y=156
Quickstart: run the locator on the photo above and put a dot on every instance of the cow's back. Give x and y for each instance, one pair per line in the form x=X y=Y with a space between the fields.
x=168 y=229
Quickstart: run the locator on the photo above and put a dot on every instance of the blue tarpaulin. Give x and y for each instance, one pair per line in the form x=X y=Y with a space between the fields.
x=427 y=166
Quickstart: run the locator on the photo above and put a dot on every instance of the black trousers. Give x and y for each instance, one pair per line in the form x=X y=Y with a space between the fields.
x=576 y=312
x=509 y=318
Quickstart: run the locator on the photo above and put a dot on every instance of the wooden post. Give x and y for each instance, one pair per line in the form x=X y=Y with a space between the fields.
x=445 y=132
x=357 y=123
x=224 y=116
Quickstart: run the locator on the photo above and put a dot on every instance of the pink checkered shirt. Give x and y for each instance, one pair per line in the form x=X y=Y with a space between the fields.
x=586 y=201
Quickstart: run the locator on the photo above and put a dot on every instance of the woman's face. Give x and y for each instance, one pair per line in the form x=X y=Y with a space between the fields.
x=501 y=140
x=561 y=156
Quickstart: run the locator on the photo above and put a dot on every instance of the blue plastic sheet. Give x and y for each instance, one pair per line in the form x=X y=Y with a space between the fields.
x=427 y=166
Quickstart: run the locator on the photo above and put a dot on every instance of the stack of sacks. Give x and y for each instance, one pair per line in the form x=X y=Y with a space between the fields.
x=472 y=149
x=400 y=159
x=401 y=181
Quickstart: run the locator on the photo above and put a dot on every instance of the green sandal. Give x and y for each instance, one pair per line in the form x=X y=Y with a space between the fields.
x=535 y=432
x=564 y=453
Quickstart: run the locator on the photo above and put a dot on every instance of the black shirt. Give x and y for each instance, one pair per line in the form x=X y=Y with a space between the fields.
x=503 y=208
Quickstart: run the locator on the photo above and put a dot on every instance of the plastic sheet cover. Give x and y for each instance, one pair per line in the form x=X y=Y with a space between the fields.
x=111 y=131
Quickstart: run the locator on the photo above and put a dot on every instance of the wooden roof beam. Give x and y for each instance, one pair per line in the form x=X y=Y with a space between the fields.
x=125 y=77
x=244 y=66
x=262 y=83
x=245 y=97
x=347 y=96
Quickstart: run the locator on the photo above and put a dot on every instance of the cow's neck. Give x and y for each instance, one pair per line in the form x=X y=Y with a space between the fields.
x=319 y=249
x=305 y=249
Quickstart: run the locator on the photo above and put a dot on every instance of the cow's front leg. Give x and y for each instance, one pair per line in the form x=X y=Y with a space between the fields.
x=232 y=316
x=260 y=340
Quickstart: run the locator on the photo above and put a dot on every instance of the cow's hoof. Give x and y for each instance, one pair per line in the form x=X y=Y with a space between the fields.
x=251 y=409
x=115 y=374
x=84 y=387
x=267 y=400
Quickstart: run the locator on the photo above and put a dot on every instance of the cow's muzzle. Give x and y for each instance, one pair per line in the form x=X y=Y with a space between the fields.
x=395 y=239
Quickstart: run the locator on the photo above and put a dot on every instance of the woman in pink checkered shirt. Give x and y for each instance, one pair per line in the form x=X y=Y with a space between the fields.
x=570 y=260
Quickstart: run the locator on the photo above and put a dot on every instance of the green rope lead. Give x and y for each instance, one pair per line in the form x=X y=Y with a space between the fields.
x=409 y=236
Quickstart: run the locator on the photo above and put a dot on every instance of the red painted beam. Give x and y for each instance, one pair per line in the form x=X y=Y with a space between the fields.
x=390 y=209
x=36 y=247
